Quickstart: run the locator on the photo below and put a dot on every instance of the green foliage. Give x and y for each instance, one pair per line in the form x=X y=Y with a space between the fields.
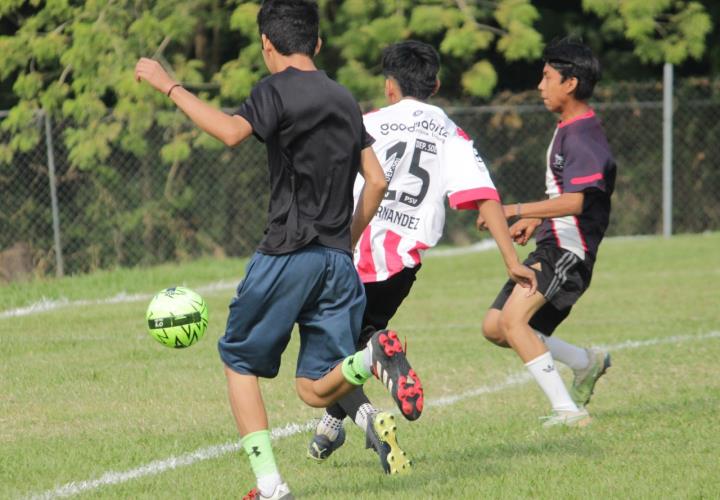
x=481 y=78
x=462 y=43
x=661 y=30
x=74 y=60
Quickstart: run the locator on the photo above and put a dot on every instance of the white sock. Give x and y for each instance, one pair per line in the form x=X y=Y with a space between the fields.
x=548 y=378
x=361 y=418
x=329 y=426
x=367 y=358
x=568 y=354
x=267 y=484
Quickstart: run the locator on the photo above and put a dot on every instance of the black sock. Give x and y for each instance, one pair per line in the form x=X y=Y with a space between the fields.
x=336 y=411
x=352 y=402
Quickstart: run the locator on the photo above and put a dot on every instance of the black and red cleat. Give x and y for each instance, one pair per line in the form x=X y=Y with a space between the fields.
x=391 y=367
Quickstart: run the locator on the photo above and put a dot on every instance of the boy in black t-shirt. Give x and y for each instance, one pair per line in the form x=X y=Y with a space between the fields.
x=303 y=271
x=580 y=178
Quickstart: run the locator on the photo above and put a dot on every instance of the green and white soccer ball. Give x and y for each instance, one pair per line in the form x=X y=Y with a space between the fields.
x=177 y=317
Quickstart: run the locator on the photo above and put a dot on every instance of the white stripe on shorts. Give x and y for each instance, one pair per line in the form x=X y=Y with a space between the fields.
x=563 y=265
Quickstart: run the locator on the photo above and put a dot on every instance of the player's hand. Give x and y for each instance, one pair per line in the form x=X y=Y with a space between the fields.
x=152 y=72
x=523 y=230
x=523 y=276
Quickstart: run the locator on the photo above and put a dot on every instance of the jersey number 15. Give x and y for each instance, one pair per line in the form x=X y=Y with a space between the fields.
x=398 y=150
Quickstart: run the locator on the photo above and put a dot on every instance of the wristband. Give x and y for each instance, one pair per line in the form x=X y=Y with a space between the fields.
x=172 y=88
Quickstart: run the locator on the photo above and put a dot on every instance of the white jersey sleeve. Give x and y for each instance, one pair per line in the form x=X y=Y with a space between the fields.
x=468 y=181
x=426 y=158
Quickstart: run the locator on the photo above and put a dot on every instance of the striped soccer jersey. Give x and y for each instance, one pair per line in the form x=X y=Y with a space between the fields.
x=579 y=160
x=426 y=157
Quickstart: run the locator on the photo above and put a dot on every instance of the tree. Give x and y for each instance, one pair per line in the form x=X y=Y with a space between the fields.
x=73 y=60
x=661 y=30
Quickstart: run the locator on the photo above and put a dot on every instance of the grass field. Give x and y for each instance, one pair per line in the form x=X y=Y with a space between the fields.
x=92 y=406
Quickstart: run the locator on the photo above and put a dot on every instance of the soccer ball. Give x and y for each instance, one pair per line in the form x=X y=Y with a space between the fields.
x=177 y=317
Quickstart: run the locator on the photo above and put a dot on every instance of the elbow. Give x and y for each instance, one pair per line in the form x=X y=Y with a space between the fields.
x=384 y=184
x=378 y=185
x=230 y=140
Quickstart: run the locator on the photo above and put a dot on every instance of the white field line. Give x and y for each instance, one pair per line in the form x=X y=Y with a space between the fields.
x=208 y=453
x=45 y=305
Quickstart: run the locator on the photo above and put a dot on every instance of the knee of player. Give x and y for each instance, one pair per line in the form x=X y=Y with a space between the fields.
x=491 y=326
x=305 y=390
x=508 y=323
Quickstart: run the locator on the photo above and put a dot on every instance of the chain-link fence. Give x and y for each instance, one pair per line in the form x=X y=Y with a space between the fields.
x=137 y=210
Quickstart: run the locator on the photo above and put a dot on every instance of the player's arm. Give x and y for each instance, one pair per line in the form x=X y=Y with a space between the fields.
x=371 y=195
x=565 y=204
x=530 y=214
x=492 y=212
x=231 y=130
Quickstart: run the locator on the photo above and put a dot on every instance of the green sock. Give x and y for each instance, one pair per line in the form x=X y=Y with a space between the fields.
x=259 y=451
x=353 y=368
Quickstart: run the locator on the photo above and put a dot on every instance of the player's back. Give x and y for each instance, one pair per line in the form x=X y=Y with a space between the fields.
x=426 y=157
x=314 y=133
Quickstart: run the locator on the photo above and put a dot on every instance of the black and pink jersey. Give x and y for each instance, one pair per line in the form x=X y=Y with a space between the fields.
x=579 y=160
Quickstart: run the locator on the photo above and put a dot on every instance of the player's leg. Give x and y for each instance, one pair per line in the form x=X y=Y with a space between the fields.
x=558 y=285
x=514 y=321
x=324 y=327
x=491 y=322
x=383 y=300
x=255 y=336
x=252 y=423
x=587 y=364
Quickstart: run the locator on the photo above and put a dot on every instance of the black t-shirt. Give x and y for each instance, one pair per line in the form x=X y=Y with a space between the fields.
x=314 y=133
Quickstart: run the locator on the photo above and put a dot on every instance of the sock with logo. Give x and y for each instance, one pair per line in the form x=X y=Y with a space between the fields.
x=568 y=354
x=356 y=368
x=548 y=378
x=259 y=451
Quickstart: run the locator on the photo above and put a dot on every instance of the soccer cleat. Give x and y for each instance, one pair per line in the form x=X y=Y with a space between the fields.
x=585 y=380
x=391 y=367
x=321 y=447
x=568 y=418
x=381 y=437
x=281 y=491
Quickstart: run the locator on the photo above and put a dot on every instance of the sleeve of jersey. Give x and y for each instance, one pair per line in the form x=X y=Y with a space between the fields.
x=584 y=165
x=367 y=139
x=262 y=109
x=468 y=179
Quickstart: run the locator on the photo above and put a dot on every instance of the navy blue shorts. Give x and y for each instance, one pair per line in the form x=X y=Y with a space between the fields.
x=316 y=287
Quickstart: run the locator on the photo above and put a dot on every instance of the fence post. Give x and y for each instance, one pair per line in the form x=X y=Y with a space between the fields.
x=59 y=266
x=667 y=163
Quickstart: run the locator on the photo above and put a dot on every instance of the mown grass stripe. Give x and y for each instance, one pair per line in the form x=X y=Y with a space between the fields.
x=208 y=453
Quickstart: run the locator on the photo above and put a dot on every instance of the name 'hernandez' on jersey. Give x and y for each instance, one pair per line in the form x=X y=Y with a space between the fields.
x=426 y=157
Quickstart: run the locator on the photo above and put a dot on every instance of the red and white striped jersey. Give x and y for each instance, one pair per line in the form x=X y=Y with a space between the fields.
x=426 y=157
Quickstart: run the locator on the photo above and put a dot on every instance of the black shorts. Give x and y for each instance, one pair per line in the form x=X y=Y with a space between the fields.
x=563 y=278
x=383 y=300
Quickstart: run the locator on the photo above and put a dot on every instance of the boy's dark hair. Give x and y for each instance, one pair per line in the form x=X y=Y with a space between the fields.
x=414 y=65
x=572 y=58
x=291 y=25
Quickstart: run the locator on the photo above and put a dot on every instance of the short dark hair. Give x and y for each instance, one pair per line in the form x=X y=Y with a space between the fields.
x=291 y=25
x=572 y=58
x=414 y=65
